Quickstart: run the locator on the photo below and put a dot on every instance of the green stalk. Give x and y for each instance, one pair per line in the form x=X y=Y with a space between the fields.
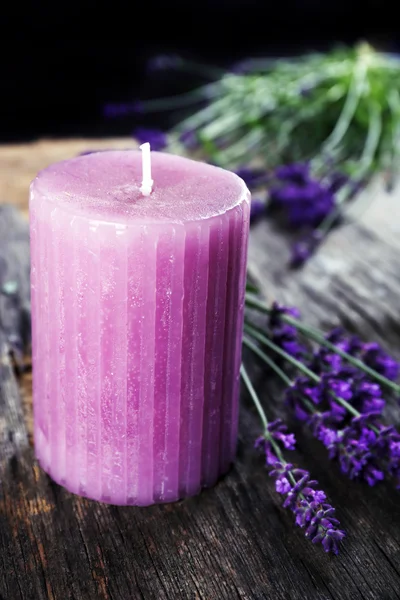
x=192 y=66
x=255 y=399
x=179 y=101
x=264 y=420
x=243 y=146
x=394 y=106
x=350 y=106
x=366 y=161
x=226 y=124
x=200 y=118
x=267 y=342
x=372 y=140
x=268 y=361
x=318 y=337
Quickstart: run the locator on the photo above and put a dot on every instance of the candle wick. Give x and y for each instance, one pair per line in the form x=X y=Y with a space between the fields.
x=147 y=182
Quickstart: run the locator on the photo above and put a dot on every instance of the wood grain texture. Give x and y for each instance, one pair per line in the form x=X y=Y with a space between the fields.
x=19 y=163
x=235 y=540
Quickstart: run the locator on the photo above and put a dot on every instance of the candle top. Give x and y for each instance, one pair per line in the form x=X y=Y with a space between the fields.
x=106 y=186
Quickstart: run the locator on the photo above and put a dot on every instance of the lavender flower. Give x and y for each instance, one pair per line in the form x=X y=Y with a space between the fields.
x=277 y=430
x=278 y=310
x=307 y=503
x=363 y=452
x=373 y=356
x=284 y=335
x=252 y=177
x=355 y=441
x=303 y=249
x=362 y=447
x=157 y=139
x=327 y=360
x=370 y=353
x=350 y=344
x=257 y=210
x=366 y=397
x=308 y=204
x=294 y=173
x=336 y=397
x=303 y=200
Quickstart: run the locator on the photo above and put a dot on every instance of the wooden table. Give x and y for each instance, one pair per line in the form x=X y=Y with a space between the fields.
x=235 y=540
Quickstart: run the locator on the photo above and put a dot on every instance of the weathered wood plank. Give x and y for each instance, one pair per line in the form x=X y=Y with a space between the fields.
x=21 y=162
x=235 y=540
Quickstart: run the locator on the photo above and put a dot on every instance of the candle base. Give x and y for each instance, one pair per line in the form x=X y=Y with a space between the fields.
x=122 y=499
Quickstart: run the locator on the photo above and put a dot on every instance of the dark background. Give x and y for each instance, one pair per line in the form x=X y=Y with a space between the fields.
x=61 y=62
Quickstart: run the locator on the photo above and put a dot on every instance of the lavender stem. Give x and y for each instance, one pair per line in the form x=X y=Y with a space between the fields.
x=254 y=397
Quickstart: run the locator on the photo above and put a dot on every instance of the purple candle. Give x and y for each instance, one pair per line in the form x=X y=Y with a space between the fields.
x=137 y=312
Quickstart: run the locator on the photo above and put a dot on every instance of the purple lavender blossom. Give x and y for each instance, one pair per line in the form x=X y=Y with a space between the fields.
x=257 y=210
x=294 y=173
x=277 y=310
x=303 y=199
x=277 y=430
x=303 y=249
x=366 y=397
x=308 y=504
x=373 y=356
x=301 y=252
x=323 y=360
x=363 y=453
x=253 y=177
x=157 y=139
x=339 y=401
x=348 y=343
x=370 y=353
x=303 y=204
x=354 y=389
x=284 y=335
x=361 y=444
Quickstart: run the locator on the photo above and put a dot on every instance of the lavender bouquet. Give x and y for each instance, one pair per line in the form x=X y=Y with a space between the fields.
x=332 y=120
x=336 y=385
x=308 y=504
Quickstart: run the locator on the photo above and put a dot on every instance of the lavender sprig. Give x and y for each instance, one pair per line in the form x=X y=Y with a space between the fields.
x=368 y=358
x=307 y=503
x=339 y=402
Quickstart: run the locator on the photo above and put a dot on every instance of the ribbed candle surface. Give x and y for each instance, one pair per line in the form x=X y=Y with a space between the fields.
x=137 y=312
